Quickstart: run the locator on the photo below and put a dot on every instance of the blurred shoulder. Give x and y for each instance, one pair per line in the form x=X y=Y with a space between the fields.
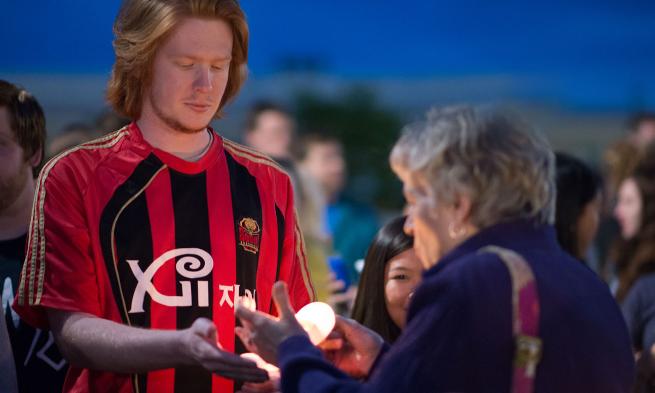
x=78 y=164
x=257 y=163
x=643 y=288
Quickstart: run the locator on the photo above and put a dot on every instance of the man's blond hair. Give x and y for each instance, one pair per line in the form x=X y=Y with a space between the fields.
x=140 y=29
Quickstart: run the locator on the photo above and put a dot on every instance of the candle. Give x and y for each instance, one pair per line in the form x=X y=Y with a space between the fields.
x=318 y=320
x=261 y=363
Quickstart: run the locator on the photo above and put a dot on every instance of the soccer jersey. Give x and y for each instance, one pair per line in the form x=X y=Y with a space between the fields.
x=127 y=232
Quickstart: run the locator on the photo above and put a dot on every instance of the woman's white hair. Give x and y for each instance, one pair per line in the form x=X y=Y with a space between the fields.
x=500 y=162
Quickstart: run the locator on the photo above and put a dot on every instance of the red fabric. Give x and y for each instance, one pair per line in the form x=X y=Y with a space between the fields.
x=162 y=317
x=65 y=268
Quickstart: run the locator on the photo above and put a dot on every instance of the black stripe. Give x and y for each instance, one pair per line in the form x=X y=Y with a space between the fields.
x=191 y=213
x=137 y=180
x=245 y=205
x=280 y=246
x=133 y=241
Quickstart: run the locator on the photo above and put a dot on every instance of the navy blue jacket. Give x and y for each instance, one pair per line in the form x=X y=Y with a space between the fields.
x=459 y=336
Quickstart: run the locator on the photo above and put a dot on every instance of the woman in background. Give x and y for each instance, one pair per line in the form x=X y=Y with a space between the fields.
x=578 y=205
x=635 y=264
x=391 y=272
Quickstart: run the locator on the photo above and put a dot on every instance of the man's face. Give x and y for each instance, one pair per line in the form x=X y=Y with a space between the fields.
x=15 y=169
x=190 y=72
x=326 y=164
x=272 y=134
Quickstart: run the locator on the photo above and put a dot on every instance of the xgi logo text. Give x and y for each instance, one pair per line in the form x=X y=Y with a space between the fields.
x=194 y=263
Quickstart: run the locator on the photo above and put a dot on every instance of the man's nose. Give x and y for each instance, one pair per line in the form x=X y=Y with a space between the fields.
x=203 y=80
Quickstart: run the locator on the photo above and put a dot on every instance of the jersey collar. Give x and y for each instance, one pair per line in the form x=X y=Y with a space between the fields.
x=176 y=163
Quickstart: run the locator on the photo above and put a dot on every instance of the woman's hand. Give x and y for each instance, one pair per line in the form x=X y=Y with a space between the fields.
x=352 y=347
x=262 y=333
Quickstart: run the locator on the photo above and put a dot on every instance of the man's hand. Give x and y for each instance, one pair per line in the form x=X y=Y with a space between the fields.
x=270 y=386
x=200 y=343
x=356 y=347
x=266 y=387
x=262 y=333
x=91 y=342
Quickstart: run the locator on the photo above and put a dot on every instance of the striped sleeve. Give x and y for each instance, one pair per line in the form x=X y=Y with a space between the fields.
x=58 y=271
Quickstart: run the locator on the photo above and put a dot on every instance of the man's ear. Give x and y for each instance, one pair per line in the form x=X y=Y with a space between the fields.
x=36 y=158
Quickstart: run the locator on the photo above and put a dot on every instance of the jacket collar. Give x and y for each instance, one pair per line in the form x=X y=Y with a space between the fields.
x=518 y=234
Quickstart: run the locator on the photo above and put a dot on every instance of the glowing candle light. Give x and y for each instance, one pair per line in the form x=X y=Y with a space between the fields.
x=247 y=302
x=318 y=321
x=273 y=372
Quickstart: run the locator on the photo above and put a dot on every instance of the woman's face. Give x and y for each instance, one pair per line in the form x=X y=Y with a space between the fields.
x=427 y=219
x=628 y=208
x=401 y=275
x=588 y=225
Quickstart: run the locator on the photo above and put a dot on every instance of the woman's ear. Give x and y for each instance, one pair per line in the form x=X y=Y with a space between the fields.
x=462 y=210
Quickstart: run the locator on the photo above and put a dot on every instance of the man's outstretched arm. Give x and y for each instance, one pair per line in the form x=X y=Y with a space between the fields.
x=91 y=342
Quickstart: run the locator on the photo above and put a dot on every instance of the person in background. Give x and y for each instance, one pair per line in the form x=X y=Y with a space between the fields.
x=578 y=205
x=8 y=382
x=348 y=223
x=619 y=161
x=269 y=129
x=635 y=211
x=77 y=133
x=481 y=192
x=70 y=136
x=642 y=129
x=109 y=121
x=391 y=273
x=622 y=157
x=39 y=365
x=634 y=255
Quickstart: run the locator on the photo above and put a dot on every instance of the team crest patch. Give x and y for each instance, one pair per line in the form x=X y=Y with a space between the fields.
x=249 y=234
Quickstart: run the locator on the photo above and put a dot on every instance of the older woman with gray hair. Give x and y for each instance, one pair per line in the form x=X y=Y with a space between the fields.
x=501 y=307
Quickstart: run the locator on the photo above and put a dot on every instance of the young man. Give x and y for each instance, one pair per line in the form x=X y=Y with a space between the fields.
x=141 y=242
x=22 y=138
x=270 y=129
x=350 y=224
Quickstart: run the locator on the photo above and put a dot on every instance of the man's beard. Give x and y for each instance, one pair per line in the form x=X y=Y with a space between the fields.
x=12 y=187
x=171 y=122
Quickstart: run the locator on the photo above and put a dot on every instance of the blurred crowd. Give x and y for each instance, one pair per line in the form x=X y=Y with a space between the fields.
x=365 y=266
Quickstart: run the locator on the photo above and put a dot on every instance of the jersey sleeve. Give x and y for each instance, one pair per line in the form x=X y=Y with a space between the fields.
x=58 y=271
x=301 y=289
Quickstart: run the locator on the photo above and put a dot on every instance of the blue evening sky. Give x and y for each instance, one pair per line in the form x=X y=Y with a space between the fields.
x=596 y=52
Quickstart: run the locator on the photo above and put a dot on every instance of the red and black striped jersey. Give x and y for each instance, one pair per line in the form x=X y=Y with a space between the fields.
x=127 y=232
